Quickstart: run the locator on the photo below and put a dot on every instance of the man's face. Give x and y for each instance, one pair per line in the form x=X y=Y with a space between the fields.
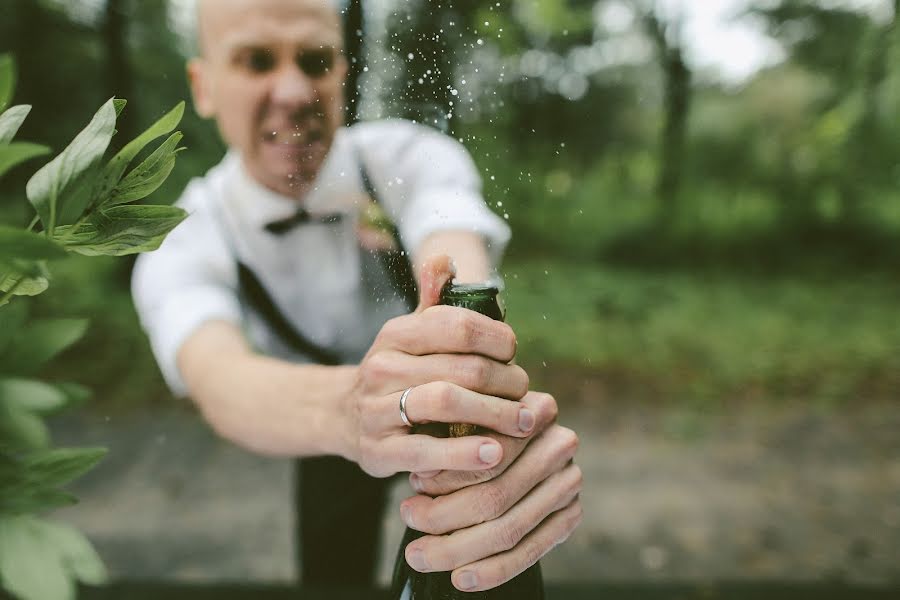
x=272 y=73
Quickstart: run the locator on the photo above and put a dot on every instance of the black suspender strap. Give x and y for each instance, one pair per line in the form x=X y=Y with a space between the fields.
x=396 y=262
x=258 y=299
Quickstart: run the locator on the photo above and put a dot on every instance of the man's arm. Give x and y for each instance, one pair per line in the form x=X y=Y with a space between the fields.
x=266 y=405
x=458 y=362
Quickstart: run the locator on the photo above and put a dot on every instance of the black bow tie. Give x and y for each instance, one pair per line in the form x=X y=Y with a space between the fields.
x=301 y=217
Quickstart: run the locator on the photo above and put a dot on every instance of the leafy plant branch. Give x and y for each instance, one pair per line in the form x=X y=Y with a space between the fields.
x=85 y=205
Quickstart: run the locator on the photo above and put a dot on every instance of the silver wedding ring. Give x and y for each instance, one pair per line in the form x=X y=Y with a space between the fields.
x=403 y=397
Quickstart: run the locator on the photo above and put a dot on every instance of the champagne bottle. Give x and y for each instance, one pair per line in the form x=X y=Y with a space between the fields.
x=409 y=584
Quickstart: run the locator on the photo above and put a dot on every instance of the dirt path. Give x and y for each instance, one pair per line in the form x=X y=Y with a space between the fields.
x=788 y=494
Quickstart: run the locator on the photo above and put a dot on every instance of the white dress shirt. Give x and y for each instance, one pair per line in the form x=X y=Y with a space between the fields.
x=333 y=292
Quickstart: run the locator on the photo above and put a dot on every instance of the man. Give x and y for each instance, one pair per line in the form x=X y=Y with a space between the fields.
x=270 y=307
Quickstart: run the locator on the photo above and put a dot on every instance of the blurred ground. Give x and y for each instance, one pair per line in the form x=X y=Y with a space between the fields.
x=787 y=493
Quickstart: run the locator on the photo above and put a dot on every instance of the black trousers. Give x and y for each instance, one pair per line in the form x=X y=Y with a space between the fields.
x=339 y=512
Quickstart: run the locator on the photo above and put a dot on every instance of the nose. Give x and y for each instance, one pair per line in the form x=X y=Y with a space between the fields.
x=292 y=88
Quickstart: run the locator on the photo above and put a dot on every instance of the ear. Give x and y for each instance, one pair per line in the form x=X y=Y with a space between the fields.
x=199 y=79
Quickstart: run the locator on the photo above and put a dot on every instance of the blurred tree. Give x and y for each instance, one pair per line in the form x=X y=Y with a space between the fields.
x=115 y=33
x=354 y=36
x=851 y=146
x=428 y=37
x=667 y=38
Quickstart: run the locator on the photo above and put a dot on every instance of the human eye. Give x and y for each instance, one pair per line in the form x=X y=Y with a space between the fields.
x=256 y=60
x=316 y=63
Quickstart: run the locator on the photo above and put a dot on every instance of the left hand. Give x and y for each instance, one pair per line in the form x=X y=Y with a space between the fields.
x=506 y=522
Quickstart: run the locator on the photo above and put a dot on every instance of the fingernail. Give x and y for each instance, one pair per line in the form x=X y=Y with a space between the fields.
x=416 y=560
x=467 y=580
x=416 y=483
x=489 y=453
x=526 y=420
x=406 y=515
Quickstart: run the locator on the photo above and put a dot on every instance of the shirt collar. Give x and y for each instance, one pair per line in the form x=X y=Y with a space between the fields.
x=256 y=204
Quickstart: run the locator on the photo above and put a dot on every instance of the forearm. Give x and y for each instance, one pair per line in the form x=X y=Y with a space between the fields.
x=263 y=404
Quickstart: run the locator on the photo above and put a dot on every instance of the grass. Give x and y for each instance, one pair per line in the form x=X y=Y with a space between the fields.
x=707 y=336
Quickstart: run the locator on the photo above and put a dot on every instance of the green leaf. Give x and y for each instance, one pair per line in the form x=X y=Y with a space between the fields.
x=116 y=167
x=146 y=178
x=11 y=120
x=98 y=183
x=41 y=341
x=40 y=560
x=28 y=567
x=46 y=187
x=32 y=396
x=18 y=243
x=78 y=556
x=22 y=491
x=75 y=393
x=119 y=105
x=57 y=467
x=80 y=194
x=22 y=278
x=19 y=495
x=21 y=429
x=7 y=80
x=21 y=501
x=122 y=230
x=12 y=155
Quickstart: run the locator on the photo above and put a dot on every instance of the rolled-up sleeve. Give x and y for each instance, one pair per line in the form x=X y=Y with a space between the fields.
x=429 y=183
x=187 y=282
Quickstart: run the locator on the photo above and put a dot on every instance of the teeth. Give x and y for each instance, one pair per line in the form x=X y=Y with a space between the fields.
x=292 y=137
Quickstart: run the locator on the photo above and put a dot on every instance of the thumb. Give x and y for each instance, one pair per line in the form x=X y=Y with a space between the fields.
x=436 y=271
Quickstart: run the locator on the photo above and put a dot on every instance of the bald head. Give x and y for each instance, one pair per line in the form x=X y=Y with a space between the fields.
x=216 y=17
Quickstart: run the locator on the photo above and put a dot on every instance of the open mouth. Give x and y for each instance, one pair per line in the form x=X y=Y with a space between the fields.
x=295 y=138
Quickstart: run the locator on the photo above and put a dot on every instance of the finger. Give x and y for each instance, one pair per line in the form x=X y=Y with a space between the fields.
x=545 y=410
x=543 y=460
x=448 y=330
x=389 y=372
x=442 y=402
x=417 y=452
x=445 y=553
x=428 y=474
x=500 y=568
x=435 y=272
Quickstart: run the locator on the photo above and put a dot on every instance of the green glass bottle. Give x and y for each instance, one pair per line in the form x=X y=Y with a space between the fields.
x=409 y=584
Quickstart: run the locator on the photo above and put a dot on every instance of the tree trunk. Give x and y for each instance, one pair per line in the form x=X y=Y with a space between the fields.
x=861 y=149
x=119 y=76
x=677 y=102
x=354 y=40
x=430 y=73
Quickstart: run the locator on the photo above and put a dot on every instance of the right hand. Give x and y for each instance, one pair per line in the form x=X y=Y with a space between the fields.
x=458 y=361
